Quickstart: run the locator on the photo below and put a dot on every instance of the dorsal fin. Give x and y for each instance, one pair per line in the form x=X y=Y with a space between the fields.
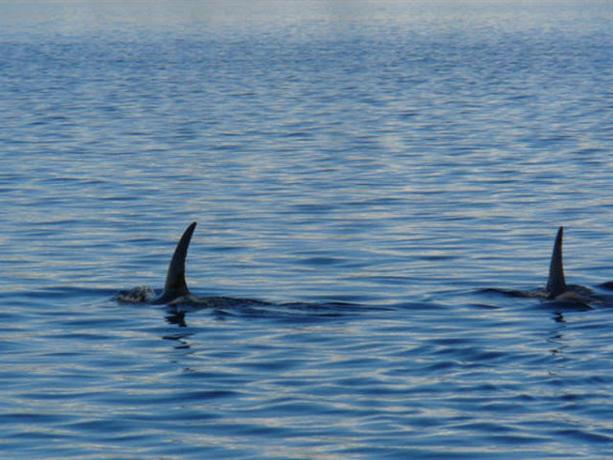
x=175 y=279
x=556 y=284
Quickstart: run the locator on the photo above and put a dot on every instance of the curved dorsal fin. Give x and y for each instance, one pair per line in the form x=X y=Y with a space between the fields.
x=556 y=284
x=175 y=279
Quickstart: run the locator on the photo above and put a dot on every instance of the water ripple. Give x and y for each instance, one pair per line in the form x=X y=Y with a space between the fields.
x=386 y=181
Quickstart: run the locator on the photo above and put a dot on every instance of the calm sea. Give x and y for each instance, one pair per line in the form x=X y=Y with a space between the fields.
x=369 y=168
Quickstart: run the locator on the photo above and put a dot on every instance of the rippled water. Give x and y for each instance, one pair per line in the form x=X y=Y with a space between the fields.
x=369 y=169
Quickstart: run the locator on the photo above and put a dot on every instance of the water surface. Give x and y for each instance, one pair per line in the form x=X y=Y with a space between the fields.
x=367 y=168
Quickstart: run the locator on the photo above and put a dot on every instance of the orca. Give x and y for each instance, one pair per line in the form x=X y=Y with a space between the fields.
x=176 y=291
x=557 y=290
x=556 y=283
x=175 y=288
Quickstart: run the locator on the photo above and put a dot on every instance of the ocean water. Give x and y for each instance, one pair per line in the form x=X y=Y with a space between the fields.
x=372 y=170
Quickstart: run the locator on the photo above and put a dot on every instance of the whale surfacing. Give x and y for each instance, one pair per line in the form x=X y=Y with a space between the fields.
x=557 y=290
x=556 y=284
x=176 y=286
x=176 y=291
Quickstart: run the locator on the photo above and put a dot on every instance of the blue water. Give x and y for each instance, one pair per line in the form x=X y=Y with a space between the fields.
x=370 y=169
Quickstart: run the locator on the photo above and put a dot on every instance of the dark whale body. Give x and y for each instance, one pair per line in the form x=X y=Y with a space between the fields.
x=556 y=289
x=175 y=289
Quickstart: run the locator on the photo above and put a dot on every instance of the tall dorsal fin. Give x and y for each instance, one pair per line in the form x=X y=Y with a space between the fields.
x=175 y=279
x=556 y=284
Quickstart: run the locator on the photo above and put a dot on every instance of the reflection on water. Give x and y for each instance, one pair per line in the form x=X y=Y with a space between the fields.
x=376 y=173
x=176 y=317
